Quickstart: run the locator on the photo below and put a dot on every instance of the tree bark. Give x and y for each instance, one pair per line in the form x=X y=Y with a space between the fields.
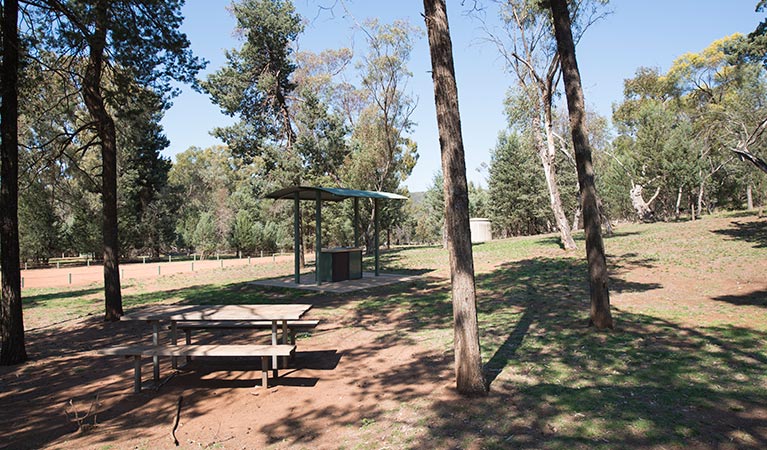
x=105 y=128
x=468 y=361
x=600 y=315
x=12 y=348
x=749 y=198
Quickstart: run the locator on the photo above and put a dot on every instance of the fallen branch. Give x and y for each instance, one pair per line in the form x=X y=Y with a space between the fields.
x=175 y=422
x=73 y=415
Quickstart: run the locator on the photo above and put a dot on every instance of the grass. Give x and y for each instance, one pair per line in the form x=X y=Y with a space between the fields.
x=686 y=363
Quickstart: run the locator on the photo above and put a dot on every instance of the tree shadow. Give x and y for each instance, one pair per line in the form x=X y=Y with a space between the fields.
x=37 y=300
x=755 y=298
x=539 y=290
x=651 y=383
x=754 y=232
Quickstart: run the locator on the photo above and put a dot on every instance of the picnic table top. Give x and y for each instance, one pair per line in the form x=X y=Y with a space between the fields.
x=219 y=312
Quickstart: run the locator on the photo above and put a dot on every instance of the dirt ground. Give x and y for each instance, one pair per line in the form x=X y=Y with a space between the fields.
x=345 y=375
x=86 y=275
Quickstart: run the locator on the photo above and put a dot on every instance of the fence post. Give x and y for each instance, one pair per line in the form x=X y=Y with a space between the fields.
x=221 y=261
x=192 y=266
x=274 y=258
x=70 y=277
x=22 y=282
x=248 y=260
x=58 y=265
x=143 y=260
x=122 y=274
x=159 y=268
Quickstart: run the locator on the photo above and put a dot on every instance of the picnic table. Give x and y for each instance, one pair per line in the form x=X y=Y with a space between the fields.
x=173 y=314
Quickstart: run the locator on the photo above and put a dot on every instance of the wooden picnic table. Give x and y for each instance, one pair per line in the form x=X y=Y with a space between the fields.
x=190 y=313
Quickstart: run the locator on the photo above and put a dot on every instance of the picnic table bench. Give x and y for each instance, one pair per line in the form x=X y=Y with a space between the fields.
x=265 y=352
x=292 y=326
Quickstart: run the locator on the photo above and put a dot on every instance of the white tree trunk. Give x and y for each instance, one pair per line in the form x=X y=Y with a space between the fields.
x=749 y=198
x=642 y=207
x=678 y=203
x=547 y=153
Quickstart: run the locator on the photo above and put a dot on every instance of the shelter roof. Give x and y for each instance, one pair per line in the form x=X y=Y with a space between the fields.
x=329 y=194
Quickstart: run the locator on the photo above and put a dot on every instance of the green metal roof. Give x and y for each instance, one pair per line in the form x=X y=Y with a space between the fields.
x=329 y=194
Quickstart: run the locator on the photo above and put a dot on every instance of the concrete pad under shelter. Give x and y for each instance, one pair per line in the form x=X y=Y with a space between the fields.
x=309 y=283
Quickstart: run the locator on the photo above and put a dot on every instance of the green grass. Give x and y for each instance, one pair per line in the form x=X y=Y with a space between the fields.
x=683 y=367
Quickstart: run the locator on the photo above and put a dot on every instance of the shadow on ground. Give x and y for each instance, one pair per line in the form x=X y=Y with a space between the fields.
x=753 y=232
x=553 y=381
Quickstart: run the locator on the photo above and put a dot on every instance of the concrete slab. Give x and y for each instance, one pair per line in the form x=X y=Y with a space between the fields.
x=308 y=283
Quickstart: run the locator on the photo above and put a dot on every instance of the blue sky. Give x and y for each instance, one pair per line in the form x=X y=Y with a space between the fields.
x=638 y=33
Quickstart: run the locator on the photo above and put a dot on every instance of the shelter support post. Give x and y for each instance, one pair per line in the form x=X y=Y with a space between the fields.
x=375 y=237
x=318 y=245
x=296 y=239
x=356 y=222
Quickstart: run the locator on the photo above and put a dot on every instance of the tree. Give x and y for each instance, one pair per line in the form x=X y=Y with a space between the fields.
x=382 y=155
x=600 y=315
x=146 y=220
x=12 y=348
x=517 y=188
x=124 y=43
x=256 y=85
x=468 y=359
x=530 y=54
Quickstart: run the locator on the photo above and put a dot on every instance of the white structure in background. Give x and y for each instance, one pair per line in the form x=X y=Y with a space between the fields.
x=480 y=230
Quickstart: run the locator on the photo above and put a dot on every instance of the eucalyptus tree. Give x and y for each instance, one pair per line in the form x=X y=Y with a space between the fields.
x=526 y=43
x=654 y=147
x=382 y=155
x=681 y=130
x=600 y=316
x=468 y=359
x=122 y=44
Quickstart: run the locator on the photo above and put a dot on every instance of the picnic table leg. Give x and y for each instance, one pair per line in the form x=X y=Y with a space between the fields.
x=156 y=358
x=188 y=335
x=284 y=341
x=137 y=374
x=173 y=341
x=274 y=342
x=264 y=372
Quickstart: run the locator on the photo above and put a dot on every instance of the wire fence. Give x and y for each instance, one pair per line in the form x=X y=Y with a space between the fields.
x=62 y=275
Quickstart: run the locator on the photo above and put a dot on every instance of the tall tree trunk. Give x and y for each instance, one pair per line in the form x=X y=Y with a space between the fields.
x=468 y=361
x=105 y=128
x=547 y=154
x=600 y=316
x=677 y=211
x=749 y=198
x=12 y=348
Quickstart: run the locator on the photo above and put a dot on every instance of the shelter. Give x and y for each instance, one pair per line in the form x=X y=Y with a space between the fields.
x=329 y=194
